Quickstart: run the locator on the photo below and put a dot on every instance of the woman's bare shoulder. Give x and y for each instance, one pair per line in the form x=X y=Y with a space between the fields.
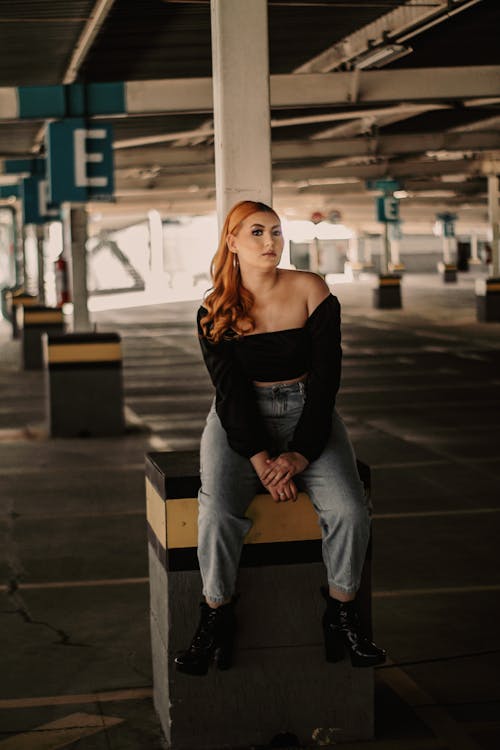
x=310 y=286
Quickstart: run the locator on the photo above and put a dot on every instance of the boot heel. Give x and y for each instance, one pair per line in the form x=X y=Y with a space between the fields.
x=334 y=646
x=223 y=657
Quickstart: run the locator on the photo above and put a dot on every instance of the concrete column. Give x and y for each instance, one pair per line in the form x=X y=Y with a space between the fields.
x=395 y=252
x=353 y=253
x=368 y=251
x=19 y=248
x=494 y=218
x=40 y=243
x=448 y=248
x=75 y=253
x=156 y=270
x=386 y=254
x=240 y=62
x=474 y=257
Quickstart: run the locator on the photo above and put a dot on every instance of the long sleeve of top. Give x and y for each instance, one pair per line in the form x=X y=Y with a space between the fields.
x=313 y=428
x=235 y=401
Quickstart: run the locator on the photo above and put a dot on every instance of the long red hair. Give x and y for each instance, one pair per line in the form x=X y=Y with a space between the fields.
x=229 y=303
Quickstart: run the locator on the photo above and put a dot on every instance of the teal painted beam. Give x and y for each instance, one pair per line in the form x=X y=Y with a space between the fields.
x=77 y=100
x=9 y=191
x=18 y=166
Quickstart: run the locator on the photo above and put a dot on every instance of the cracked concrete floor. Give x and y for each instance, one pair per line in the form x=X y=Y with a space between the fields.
x=421 y=399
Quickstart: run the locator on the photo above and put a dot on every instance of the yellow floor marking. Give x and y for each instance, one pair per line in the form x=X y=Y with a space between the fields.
x=441 y=590
x=389 y=593
x=78 y=584
x=435 y=717
x=60 y=733
x=67 y=700
x=437 y=513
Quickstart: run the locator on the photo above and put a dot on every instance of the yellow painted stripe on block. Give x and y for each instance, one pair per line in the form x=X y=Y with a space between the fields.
x=60 y=733
x=26 y=301
x=389 y=282
x=282 y=522
x=84 y=352
x=43 y=317
x=156 y=513
x=493 y=287
x=272 y=522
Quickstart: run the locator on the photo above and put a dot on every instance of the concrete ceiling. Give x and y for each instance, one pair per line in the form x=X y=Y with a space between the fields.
x=428 y=116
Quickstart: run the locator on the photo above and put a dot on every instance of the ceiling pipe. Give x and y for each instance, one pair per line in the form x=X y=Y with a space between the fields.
x=84 y=43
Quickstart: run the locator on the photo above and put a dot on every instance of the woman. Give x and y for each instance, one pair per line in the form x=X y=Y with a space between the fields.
x=270 y=338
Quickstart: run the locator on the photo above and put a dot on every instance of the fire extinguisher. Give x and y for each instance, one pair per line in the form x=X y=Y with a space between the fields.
x=62 y=281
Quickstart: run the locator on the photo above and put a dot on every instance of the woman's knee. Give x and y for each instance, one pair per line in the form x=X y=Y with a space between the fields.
x=351 y=513
x=221 y=523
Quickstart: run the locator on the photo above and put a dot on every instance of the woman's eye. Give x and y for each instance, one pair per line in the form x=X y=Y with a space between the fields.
x=277 y=232
x=257 y=232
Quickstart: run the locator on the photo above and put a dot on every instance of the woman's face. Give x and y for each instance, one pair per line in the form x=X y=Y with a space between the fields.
x=258 y=242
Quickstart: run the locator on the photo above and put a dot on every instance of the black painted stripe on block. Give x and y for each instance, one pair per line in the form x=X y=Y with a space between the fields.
x=67 y=366
x=85 y=338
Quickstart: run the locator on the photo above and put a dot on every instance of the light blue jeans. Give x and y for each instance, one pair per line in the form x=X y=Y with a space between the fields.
x=229 y=482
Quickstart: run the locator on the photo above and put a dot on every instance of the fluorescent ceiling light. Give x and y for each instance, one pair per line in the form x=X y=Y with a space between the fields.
x=379 y=56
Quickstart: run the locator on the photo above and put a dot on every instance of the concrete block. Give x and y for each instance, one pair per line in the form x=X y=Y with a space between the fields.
x=488 y=300
x=280 y=684
x=37 y=320
x=84 y=385
x=387 y=295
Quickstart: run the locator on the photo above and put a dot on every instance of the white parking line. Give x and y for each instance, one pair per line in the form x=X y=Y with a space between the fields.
x=60 y=733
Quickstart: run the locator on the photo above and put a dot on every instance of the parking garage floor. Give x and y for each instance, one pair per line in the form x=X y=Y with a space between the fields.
x=421 y=396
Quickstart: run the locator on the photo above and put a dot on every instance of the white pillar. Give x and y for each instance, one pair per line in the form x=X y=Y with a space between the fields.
x=494 y=218
x=40 y=241
x=75 y=253
x=474 y=257
x=447 y=249
x=386 y=252
x=156 y=276
x=240 y=61
x=353 y=250
x=395 y=252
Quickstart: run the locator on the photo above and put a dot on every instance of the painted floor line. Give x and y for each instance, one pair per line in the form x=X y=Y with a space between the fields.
x=107 y=696
x=60 y=733
x=437 y=513
x=394 y=593
x=382 y=594
x=77 y=584
x=142 y=512
x=434 y=716
x=70 y=469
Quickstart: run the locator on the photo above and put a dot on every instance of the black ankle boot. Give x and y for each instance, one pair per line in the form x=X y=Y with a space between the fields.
x=213 y=640
x=342 y=630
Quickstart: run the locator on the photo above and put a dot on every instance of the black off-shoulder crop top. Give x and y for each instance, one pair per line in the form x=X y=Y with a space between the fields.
x=234 y=362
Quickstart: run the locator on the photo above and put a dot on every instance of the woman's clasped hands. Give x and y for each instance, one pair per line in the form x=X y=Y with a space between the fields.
x=278 y=472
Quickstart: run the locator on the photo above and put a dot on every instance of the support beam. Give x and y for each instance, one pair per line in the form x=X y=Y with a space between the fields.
x=241 y=102
x=381 y=145
x=400 y=24
x=302 y=176
x=287 y=91
x=97 y=17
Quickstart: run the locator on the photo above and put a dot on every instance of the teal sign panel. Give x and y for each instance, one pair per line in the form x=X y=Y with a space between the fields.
x=387 y=208
x=448 y=223
x=79 y=161
x=387 y=186
x=30 y=166
x=9 y=191
x=76 y=100
x=36 y=208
